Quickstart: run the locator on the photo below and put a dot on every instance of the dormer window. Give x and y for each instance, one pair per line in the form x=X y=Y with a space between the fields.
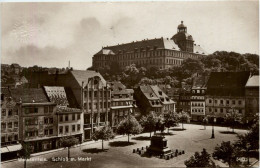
x=162 y=99
x=160 y=92
x=151 y=95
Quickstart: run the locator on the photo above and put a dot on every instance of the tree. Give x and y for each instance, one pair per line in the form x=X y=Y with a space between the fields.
x=68 y=142
x=232 y=118
x=129 y=126
x=205 y=121
x=226 y=152
x=184 y=117
x=25 y=152
x=104 y=133
x=171 y=119
x=191 y=66
x=200 y=160
x=149 y=122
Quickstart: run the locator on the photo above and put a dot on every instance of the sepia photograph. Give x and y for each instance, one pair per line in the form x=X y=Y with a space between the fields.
x=122 y=84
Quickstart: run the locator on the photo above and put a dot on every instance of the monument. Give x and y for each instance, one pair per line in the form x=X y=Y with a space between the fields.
x=158 y=145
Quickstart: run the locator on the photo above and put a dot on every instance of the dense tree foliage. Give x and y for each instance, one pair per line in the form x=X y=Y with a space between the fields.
x=200 y=160
x=104 y=133
x=68 y=142
x=227 y=152
x=149 y=121
x=184 y=117
x=232 y=118
x=171 y=119
x=129 y=126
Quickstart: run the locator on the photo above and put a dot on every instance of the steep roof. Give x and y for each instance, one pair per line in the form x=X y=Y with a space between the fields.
x=162 y=43
x=61 y=96
x=29 y=95
x=253 y=81
x=83 y=76
x=197 y=49
x=118 y=88
x=160 y=94
x=227 y=83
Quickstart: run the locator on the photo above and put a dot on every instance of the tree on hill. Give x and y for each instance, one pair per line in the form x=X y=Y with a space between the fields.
x=129 y=126
x=171 y=119
x=104 y=133
x=68 y=142
x=200 y=160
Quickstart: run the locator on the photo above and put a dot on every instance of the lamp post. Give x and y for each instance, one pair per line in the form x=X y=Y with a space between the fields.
x=247 y=151
x=213 y=135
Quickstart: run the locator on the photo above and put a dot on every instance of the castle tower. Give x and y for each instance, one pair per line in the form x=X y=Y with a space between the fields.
x=183 y=39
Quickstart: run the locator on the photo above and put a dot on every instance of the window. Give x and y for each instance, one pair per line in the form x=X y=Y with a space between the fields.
x=46 y=109
x=78 y=116
x=73 y=128
x=210 y=101
x=50 y=120
x=15 y=111
x=10 y=112
x=66 y=129
x=10 y=138
x=10 y=125
x=61 y=118
x=31 y=110
x=2 y=139
x=216 y=110
x=51 y=131
x=31 y=121
x=240 y=111
x=73 y=117
x=216 y=101
x=3 y=126
x=16 y=124
x=210 y=110
x=46 y=120
x=221 y=101
x=61 y=129
x=221 y=110
x=66 y=117
x=50 y=109
x=239 y=102
x=233 y=102
x=227 y=101
x=78 y=127
x=3 y=112
x=16 y=137
x=46 y=132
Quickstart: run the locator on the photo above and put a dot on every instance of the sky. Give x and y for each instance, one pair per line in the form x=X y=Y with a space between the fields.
x=52 y=34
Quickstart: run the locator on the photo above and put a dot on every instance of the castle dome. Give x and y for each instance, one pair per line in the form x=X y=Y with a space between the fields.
x=182 y=25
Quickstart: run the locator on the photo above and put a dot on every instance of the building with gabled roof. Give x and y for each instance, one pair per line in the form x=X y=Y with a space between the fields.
x=226 y=93
x=152 y=98
x=92 y=94
x=122 y=102
x=162 y=52
x=70 y=118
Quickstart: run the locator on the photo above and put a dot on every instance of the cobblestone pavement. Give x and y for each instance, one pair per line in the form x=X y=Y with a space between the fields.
x=118 y=154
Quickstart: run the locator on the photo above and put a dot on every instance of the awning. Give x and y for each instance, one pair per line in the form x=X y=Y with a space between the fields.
x=4 y=150
x=13 y=148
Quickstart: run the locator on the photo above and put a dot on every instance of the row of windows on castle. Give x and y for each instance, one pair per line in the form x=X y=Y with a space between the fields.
x=143 y=54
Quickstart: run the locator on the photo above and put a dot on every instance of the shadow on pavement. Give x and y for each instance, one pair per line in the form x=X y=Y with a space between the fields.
x=94 y=150
x=227 y=132
x=178 y=129
x=142 y=138
x=120 y=143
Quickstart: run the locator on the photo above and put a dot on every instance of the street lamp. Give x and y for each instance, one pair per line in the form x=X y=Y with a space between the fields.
x=213 y=135
x=247 y=150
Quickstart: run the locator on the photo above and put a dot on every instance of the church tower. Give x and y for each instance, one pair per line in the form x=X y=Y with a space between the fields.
x=183 y=39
